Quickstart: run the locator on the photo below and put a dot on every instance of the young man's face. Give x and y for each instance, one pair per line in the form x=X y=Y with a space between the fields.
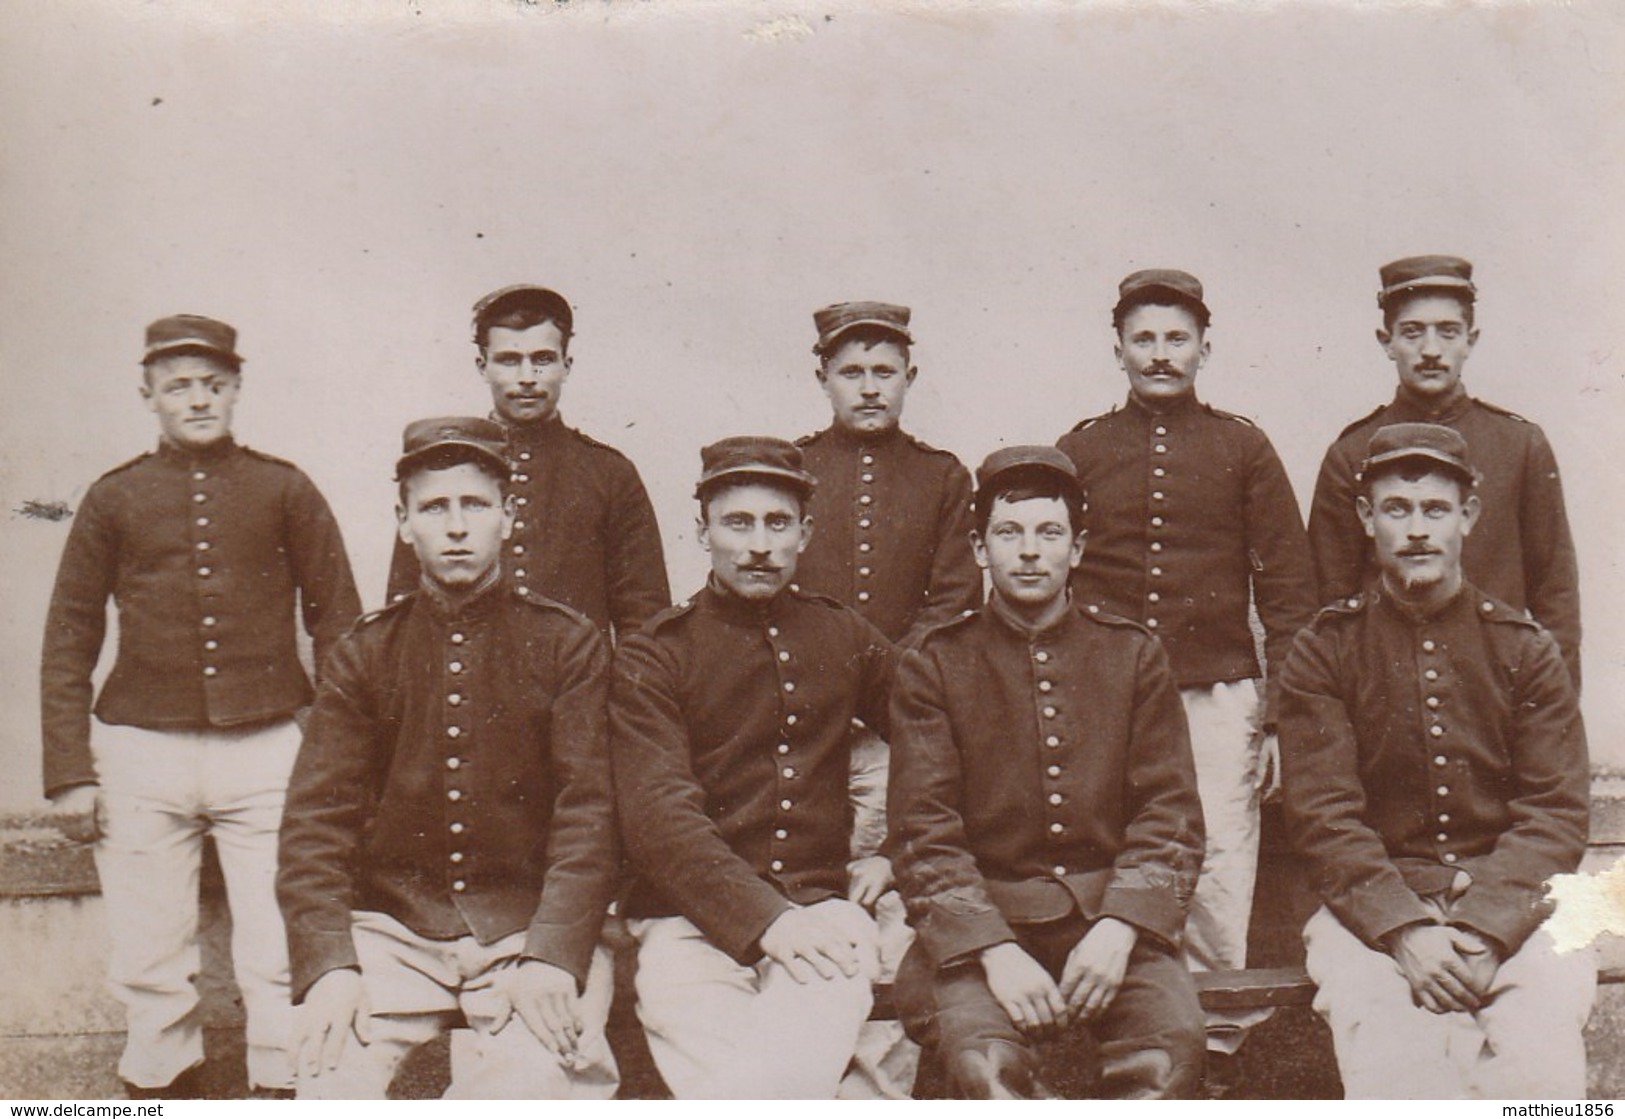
x=1030 y=549
x=525 y=370
x=455 y=519
x=1429 y=345
x=193 y=396
x=754 y=534
x=1161 y=348
x=1418 y=528
x=866 y=384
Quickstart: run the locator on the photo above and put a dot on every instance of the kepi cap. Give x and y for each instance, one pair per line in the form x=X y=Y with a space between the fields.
x=1433 y=442
x=191 y=333
x=550 y=303
x=1418 y=273
x=1142 y=287
x=838 y=318
x=484 y=439
x=759 y=456
x=1028 y=459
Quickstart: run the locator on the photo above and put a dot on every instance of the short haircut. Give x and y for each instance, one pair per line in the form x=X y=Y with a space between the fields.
x=521 y=316
x=444 y=458
x=219 y=360
x=736 y=481
x=1396 y=303
x=1159 y=298
x=868 y=335
x=1024 y=484
x=1414 y=469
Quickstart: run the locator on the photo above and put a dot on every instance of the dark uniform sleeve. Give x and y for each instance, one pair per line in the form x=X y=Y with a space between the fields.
x=336 y=780
x=636 y=576
x=1551 y=775
x=75 y=627
x=1549 y=563
x=321 y=569
x=1283 y=574
x=582 y=852
x=671 y=841
x=937 y=875
x=1336 y=537
x=1326 y=800
x=1154 y=874
x=956 y=581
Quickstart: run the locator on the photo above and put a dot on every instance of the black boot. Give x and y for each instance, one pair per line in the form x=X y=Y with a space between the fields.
x=998 y=1070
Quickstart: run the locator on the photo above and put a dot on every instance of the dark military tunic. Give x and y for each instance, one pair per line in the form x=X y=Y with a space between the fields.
x=891 y=530
x=455 y=775
x=729 y=724
x=1414 y=748
x=585 y=532
x=1190 y=517
x=1521 y=550
x=1037 y=775
x=204 y=553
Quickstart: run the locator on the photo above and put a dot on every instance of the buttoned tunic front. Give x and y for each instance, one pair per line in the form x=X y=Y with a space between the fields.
x=1191 y=517
x=891 y=530
x=584 y=531
x=1416 y=748
x=205 y=553
x=1037 y=775
x=729 y=725
x=454 y=776
x=1520 y=551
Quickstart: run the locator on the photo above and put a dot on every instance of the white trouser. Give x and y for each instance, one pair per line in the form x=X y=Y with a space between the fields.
x=719 y=1030
x=416 y=987
x=1526 y=1044
x=161 y=792
x=885 y=1062
x=1223 y=722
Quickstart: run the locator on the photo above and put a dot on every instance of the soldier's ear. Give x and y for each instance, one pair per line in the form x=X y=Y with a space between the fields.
x=400 y=524
x=702 y=533
x=510 y=511
x=1469 y=513
x=908 y=378
x=806 y=533
x=1384 y=338
x=1076 y=556
x=1362 y=506
x=978 y=548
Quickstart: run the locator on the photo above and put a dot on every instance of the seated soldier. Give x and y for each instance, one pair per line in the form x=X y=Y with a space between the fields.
x=1044 y=817
x=448 y=850
x=1435 y=772
x=729 y=720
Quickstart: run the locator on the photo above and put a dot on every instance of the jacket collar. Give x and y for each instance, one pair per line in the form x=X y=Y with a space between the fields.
x=737 y=611
x=1457 y=604
x=214 y=452
x=841 y=437
x=534 y=436
x=1001 y=612
x=477 y=601
x=1181 y=406
x=1405 y=409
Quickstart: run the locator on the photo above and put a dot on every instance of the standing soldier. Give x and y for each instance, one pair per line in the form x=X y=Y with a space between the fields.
x=729 y=724
x=1521 y=552
x=449 y=846
x=584 y=533
x=1192 y=517
x=206 y=547
x=1436 y=779
x=893 y=543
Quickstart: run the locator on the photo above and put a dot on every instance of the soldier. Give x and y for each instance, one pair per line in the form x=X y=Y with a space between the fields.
x=449 y=845
x=1436 y=778
x=204 y=545
x=1192 y=516
x=1521 y=551
x=584 y=532
x=729 y=719
x=893 y=543
x=1045 y=819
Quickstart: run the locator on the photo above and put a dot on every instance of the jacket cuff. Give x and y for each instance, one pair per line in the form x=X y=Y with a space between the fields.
x=1373 y=914
x=953 y=932
x=568 y=947
x=739 y=933
x=1156 y=912
x=315 y=954
x=1507 y=916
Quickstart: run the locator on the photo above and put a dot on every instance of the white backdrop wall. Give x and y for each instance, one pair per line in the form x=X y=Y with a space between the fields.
x=341 y=181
